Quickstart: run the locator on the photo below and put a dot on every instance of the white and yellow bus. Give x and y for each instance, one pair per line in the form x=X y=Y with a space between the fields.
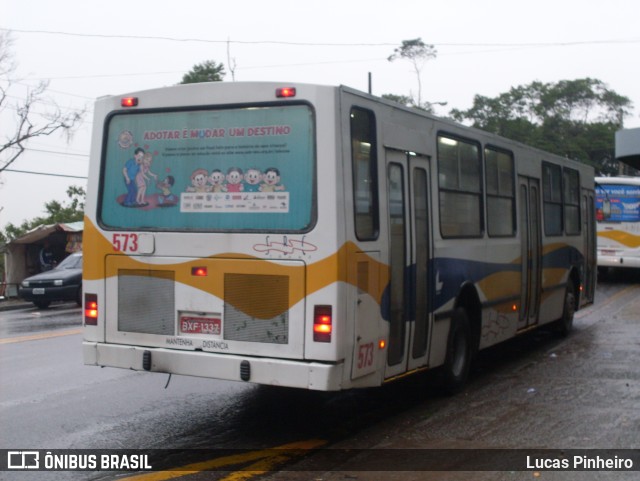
x=320 y=238
x=618 y=221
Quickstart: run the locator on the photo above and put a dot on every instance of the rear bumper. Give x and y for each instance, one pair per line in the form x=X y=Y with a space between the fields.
x=618 y=261
x=275 y=372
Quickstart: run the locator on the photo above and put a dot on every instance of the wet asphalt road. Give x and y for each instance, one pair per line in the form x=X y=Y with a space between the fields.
x=522 y=393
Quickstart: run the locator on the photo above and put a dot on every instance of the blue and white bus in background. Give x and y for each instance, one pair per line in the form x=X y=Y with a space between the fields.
x=618 y=221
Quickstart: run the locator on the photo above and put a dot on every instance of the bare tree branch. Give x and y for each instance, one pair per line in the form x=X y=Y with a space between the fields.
x=26 y=127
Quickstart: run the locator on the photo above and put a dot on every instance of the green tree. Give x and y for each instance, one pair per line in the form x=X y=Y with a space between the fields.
x=573 y=118
x=417 y=53
x=401 y=99
x=55 y=212
x=208 y=71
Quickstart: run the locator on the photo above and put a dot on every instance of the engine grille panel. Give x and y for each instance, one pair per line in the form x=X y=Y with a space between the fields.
x=146 y=301
x=256 y=308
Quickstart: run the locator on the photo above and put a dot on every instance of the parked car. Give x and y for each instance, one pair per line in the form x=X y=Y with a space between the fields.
x=63 y=283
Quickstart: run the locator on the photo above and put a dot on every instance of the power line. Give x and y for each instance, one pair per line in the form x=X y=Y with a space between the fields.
x=500 y=46
x=201 y=40
x=305 y=64
x=56 y=91
x=326 y=44
x=44 y=173
x=76 y=77
x=56 y=152
x=41 y=101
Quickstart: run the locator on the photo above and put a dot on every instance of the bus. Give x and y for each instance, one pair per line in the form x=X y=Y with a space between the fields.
x=321 y=238
x=618 y=222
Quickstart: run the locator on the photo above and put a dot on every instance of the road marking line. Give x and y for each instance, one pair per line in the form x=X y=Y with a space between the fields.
x=261 y=467
x=267 y=460
x=594 y=308
x=44 y=335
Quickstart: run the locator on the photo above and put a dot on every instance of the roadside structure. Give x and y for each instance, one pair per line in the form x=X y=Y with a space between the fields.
x=21 y=254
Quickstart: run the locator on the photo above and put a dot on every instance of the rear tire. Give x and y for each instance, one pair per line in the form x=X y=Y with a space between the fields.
x=564 y=325
x=459 y=353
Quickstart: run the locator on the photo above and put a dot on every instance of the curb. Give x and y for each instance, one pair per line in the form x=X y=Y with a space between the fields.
x=11 y=305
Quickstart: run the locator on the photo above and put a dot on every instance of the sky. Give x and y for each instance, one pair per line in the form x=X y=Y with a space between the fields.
x=89 y=49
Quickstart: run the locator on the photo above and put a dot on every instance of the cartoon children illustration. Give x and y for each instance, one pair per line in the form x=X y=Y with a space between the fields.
x=142 y=178
x=199 y=179
x=271 y=180
x=252 y=178
x=166 y=198
x=234 y=180
x=216 y=179
x=130 y=172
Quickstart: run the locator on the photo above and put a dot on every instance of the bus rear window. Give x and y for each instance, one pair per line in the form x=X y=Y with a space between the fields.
x=617 y=203
x=245 y=169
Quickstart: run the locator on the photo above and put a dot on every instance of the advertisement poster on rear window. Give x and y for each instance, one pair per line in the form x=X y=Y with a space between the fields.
x=210 y=170
x=618 y=203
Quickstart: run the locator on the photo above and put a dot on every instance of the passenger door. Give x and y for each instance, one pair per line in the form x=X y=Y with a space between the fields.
x=409 y=254
x=531 y=251
x=589 y=246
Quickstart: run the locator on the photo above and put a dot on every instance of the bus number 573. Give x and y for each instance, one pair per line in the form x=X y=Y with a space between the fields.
x=365 y=355
x=125 y=242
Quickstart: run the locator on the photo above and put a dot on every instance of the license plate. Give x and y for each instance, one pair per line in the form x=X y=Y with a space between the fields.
x=38 y=291
x=200 y=325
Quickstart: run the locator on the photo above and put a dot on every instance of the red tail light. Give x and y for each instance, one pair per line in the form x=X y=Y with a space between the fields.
x=322 y=323
x=91 y=309
x=199 y=271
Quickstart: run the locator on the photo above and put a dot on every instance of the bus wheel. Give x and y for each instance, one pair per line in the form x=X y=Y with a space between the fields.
x=458 y=360
x=564 y=325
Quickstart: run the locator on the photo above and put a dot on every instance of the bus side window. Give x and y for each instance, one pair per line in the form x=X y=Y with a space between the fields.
x=571 y=200
x=501 y=193
x=365 y=173
x=460 y=186
x=552 y=199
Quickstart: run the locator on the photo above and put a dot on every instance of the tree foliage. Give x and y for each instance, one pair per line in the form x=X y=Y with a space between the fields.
x=55 y=212
x=207 y=71
x=573 y=118
x=27 y=123
x=401 y=99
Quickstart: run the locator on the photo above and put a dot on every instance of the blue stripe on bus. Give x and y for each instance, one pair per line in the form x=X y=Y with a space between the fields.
x=452 y=273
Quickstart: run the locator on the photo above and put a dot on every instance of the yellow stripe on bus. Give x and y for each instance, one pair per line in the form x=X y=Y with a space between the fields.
x=320 y=274
x=341 y=266
x=624 y=238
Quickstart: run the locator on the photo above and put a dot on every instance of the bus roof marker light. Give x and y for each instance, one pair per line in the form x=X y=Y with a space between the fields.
x=129 y=102
x=286 y=92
